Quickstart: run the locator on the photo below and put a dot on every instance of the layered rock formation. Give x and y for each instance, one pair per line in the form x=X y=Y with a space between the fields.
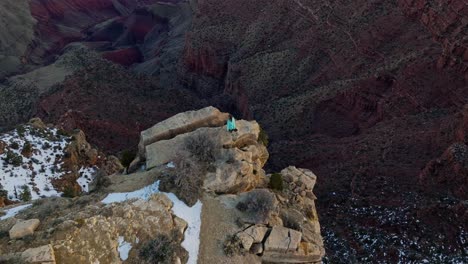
x=267 y=225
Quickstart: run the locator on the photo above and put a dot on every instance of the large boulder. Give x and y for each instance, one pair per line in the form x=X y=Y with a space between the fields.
x=300 y=177
x=237 y=159
x=24 y=228
x=283 y=239
x=180 y=124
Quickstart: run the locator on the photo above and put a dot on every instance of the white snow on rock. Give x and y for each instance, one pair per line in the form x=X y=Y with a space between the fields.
x=14 y=211
x=36 y=171
x=87 y=175
x=144 y=193
x=192 y=215
x=123 y=248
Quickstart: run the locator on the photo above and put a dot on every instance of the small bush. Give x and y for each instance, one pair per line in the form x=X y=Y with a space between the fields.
x=14 y=145
x=71 y=191
x=127 y=157
x=186 y=181
x=13 y=159
x=276 y=181
x=233 y=246
x=201 y=147
x=27 y=149
x=20 y=130
x=263 y=137
x=3 y=193
x=63 y=133
x=258 y=203
x=25 y=194
x=163 y=250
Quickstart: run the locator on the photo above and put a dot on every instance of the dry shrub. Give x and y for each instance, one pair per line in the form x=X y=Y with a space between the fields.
x=185 y=180
x=259 y=203
x=163 y=249
x=201 y=147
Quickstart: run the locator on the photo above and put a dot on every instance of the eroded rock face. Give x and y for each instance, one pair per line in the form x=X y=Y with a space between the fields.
x=136 y=221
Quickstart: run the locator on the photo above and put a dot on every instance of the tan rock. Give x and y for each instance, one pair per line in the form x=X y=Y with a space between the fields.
x=43 y=255
x=112 y=165
x=37 y=123
x=256 y=248
x=181 y=123
x=24 y=228
x=256 y=232
x=299 y=176
x=283 y=239
x=245 y=239
x=135 y=220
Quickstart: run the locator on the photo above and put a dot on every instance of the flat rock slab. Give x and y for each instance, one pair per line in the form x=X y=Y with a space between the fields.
x=180 y=124
x=43 y=255
x=283 y=239
x=24 y=228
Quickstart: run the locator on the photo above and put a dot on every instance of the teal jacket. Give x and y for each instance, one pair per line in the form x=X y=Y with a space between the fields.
x=231 y=124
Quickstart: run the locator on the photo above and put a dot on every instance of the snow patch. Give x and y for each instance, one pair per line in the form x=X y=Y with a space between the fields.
x=87 y=175
x=144 y=193
x=46 y=149
x=123 y=248
x=14 y=211
x=192 y=215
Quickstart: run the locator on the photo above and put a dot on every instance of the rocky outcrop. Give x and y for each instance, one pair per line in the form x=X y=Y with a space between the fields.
x=77 y=240
x=449 y=172
x=180 y=124
x=293 y=230
x=193 y=148
x=446 y=20
x=40 y=255
x=92 y=232
x=237 y=158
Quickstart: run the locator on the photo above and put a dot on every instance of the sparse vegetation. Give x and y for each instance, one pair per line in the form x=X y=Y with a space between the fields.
x=259 y=203
x=127 y=157
x=263 y=137
x=14 y=145
x=20 y=130
x=71 y=191
x=233 y=246
x=201 y=147
x=3 y=193
x=276 y=181
x=185 y=181
x=13 y=159
x=163 y=249
x=27 y=149
x=25 y=194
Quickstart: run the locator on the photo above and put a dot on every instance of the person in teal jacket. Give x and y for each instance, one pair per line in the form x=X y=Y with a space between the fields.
x=231 y=124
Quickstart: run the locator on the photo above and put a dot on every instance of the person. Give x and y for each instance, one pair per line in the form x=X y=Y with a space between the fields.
x=231 y=124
